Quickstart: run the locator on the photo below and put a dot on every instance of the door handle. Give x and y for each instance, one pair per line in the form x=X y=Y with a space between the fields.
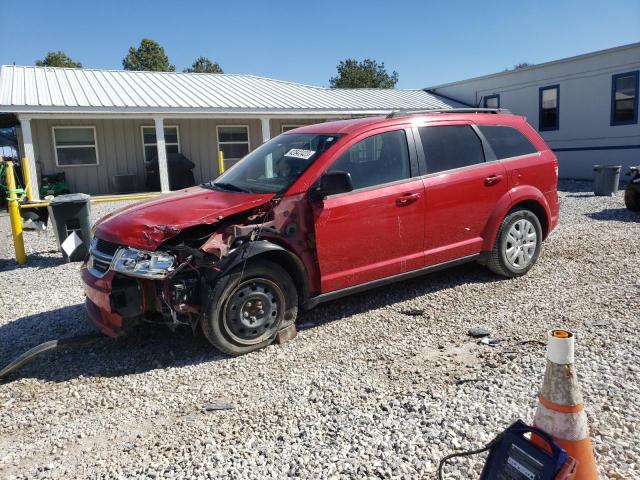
x=492 y=180
x=407 y=199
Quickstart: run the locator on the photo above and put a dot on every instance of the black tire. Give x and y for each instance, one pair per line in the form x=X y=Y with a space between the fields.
x=498 y=261
x=262 y=288
x=632 y=197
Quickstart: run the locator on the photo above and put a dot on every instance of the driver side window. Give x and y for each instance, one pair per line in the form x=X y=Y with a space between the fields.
x=378 y=159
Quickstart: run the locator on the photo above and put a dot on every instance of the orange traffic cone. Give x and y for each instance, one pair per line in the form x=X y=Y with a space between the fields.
x=560 y=410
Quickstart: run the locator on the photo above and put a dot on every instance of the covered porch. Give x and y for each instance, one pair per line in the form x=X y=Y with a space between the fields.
x=115 y=154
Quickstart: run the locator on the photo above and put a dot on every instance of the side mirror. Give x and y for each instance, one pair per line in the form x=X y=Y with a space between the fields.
x=331 y=183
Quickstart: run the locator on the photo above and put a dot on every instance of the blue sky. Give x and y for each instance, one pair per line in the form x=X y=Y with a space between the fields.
x=427 y=42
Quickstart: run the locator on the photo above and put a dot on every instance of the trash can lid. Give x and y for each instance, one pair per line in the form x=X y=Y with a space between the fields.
x=607 y=167
x=70 y=198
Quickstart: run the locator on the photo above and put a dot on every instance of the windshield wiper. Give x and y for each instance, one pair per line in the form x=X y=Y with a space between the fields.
x=230 y=186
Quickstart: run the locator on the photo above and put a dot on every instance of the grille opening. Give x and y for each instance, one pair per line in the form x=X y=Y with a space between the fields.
x=106 y=247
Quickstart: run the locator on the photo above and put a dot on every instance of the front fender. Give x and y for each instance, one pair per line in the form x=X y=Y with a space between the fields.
x=246 y=251
x=285 y=258
x=513 y=197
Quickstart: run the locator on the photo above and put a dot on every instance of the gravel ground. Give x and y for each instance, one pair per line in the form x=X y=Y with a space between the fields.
x=382 y=384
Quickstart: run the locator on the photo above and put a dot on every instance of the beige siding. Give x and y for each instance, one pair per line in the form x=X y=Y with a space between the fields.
x=199 y=142
x=277 y=123
x=119 y=143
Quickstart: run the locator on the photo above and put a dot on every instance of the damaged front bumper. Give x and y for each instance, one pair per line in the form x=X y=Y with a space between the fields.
x=98 y=303
x=125 y=286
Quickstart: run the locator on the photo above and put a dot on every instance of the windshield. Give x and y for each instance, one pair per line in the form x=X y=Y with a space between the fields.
x=274 y=166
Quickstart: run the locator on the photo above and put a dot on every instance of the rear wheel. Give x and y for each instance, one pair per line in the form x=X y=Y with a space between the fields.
x=517 y=245
x=632 y=197
x=249 y=306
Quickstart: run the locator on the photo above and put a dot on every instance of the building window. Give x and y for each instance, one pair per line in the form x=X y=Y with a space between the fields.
x=549 y=108
x=492 y=101
x=624 y=98
x=75 y=146
x=233 y=140
x=150 y=142
x=286 y=128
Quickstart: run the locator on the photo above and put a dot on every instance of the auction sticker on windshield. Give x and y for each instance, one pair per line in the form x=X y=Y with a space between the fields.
x=300 y=153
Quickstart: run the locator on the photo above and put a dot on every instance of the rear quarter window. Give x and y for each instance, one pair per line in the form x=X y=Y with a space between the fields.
x=450 y=147
x=507 y=142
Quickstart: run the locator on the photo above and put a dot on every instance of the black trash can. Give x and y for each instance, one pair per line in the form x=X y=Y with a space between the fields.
x=70 y=214
x=606 y=179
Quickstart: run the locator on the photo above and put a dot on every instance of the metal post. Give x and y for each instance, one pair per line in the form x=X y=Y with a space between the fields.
x=266 y=129
x=26 y=175
x=14 y=216
x=162 y=155
x=29 y=153
x=220 y=162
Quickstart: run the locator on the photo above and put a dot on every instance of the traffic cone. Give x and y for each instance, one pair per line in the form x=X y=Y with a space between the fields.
x=560 y=410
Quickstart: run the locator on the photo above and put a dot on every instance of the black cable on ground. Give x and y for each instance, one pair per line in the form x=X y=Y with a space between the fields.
x=489 y=446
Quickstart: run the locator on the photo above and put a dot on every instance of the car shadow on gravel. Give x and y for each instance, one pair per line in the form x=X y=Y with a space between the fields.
x=615 y=214
x=396 y=293
x=145 y=348
x=582 y=187
x=34 y=260
x=150 y=347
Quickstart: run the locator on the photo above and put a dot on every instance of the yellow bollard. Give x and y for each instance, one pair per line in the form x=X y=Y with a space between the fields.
x=26 y=175
x=14 y=216
x=220 y=162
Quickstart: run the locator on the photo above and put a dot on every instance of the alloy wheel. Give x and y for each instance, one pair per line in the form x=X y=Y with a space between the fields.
x=520 y=245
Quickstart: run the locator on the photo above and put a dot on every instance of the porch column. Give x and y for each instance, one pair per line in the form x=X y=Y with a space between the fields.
x=266 y=129
x=162 y=155
x=266 y=136
x=27 y=140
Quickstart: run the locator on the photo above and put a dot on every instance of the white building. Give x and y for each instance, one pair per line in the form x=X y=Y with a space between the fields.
x=585 y=107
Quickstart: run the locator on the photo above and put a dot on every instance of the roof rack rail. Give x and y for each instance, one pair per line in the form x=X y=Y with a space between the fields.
x=403 y=113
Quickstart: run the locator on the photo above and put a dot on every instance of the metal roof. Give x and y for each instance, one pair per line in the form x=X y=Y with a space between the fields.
x=539 y=66
x=70 y=90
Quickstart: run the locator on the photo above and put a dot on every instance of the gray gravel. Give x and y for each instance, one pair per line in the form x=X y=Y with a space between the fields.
x=381 y=384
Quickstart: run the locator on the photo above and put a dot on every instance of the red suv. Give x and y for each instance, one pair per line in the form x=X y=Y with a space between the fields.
x=321 y=212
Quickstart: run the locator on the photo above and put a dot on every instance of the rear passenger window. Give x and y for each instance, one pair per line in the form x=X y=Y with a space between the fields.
x=507 y=141
x=450 y=147
x=378 y=159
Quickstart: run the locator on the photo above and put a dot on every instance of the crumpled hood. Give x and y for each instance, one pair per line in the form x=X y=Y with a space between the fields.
x=148 y=224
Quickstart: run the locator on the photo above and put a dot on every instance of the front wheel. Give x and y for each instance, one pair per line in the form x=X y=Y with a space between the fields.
x=249 y=306
x=517 y=245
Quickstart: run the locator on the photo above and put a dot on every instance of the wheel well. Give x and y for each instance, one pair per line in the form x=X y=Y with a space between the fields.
x=293 y=266
x=538 y=210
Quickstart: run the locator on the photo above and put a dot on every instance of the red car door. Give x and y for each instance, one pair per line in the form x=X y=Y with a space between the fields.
x=461 y=191
x=376 y=230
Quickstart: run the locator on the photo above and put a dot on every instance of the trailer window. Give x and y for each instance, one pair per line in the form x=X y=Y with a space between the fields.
x=624 y=99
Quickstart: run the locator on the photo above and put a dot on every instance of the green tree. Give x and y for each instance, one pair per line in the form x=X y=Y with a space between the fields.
x=518 y=66
x=365 y=74
x=204 y=65
x=58 y=59
x=149 y=56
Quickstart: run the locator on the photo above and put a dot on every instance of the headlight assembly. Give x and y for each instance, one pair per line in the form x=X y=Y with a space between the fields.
x=143 y=264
